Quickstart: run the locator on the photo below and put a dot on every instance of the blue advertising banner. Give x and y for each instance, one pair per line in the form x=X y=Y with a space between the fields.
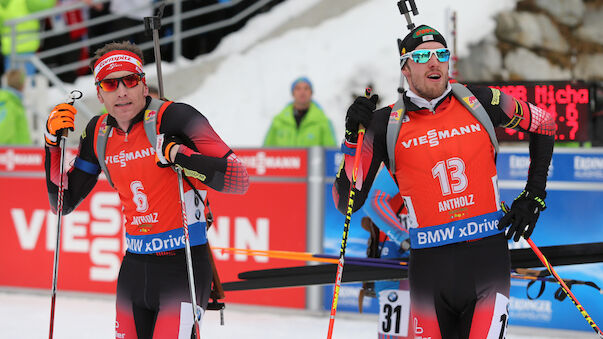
x=573 y=216
x=356 y=244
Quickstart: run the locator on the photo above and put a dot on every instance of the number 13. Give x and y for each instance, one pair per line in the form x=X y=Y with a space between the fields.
x=456 y=168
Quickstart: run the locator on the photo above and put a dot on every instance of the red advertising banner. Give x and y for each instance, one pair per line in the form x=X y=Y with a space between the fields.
x=271 y=216
x=275 y=163
x=91 y=238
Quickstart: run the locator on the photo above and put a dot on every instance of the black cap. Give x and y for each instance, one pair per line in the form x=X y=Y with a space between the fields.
x=417 y=36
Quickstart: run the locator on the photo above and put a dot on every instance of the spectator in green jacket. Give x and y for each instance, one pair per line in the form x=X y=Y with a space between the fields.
x=301 y=123
x=14 y=129
x=28 y=40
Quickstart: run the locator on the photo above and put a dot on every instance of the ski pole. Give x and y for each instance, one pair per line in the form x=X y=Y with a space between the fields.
x=217 y=291
x=560 y=281
x=346 y=227
x=567 y=291
x=55 y=270
x=154 y=24
x=189 y=259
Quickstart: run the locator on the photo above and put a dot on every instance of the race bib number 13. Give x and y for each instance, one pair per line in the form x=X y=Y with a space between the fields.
x=394 y=313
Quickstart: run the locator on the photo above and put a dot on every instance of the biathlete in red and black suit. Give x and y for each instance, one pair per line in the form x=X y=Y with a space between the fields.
x=153 y=298
x=445 y=170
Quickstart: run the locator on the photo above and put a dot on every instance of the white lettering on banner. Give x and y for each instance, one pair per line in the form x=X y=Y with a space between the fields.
x=348 y=296
x=588 y=163
x=519 y=162
x=134 y=244
x=75 y=231
x=588 y=167
x=51 y=231
x=519 y=304
x=261 y=162
x=27 y=234
x=455 y=203
x=519 y=165
x=104 y=207
x=77 y=237
x=474 y=228
x=102 y=254
x=245 y=236
x=122 y=158
x=431 y=237
x=10 y=159
x=534 y=310
x=158 y=244
x=433 y=136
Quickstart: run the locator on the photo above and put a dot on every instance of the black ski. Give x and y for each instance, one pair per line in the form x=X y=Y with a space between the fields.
x=323 y=274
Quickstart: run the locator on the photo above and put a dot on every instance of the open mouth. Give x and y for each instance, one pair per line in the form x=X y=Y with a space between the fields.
x=123 y=104
x=434 y=76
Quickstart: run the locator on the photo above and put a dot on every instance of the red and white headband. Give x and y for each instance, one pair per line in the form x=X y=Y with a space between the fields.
x=115 y=61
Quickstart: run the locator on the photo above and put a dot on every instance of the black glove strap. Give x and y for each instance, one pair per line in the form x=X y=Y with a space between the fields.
x=351 y=137
x=531 y=196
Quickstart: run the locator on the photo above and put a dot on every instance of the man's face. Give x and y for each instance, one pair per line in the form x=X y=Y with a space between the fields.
x=428 y=80
x=302 y=94
x=123 y=103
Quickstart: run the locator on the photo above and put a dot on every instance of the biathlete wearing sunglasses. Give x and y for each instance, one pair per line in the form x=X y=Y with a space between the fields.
x=130 y=80
x=153 y=298
x=445 y=170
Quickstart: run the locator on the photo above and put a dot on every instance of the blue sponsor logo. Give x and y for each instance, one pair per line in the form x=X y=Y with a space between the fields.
x=461 y=230
x=166 y=241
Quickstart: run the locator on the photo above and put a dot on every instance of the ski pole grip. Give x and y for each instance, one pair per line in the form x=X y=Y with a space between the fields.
x=367 y=94
x=71 y=98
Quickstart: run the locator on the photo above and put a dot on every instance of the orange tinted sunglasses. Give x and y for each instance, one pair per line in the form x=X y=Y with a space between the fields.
x=130 y=80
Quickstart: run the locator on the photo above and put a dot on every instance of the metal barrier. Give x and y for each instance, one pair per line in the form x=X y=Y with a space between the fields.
x=176 y=20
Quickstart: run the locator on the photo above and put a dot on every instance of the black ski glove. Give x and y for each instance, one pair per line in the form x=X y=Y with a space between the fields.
x=522 y=216
x=163 y=148
x=359 y=113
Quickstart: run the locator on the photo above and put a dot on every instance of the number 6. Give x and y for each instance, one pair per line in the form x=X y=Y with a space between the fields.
x=139 y=198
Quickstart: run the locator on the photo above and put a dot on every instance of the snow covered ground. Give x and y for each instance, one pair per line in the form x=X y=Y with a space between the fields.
x=26 y=315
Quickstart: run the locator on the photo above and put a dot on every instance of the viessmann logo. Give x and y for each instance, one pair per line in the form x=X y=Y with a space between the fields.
x=10 y=159
x=261 y=162
x=433 y=136
x=123 y=157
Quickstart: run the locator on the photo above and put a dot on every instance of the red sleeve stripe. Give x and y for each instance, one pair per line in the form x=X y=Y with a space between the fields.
x=160 y=114
x=385 y=210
